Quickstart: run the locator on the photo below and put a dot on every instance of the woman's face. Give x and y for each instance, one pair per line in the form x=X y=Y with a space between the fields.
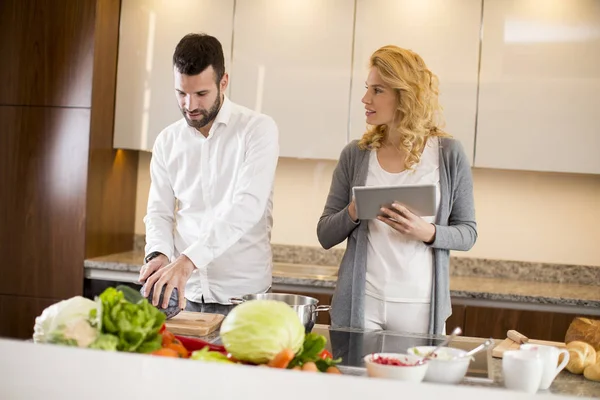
x=379 y=100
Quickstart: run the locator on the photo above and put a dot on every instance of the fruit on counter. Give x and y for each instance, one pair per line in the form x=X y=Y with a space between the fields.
x=67 y=322
x=257 y=330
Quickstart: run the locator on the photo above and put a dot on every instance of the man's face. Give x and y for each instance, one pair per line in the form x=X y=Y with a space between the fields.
x=199 y=96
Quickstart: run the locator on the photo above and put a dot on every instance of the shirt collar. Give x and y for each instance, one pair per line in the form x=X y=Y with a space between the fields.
x=224 y=113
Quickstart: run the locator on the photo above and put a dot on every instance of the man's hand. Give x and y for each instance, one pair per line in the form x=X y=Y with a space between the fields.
x=153 y=265
x=174 y=275
x=404 y=221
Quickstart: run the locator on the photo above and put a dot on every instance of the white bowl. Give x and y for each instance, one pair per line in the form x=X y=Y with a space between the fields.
x=444 y=371
x=411 y=373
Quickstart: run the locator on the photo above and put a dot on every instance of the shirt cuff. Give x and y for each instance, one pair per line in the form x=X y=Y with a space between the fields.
x=161 y=249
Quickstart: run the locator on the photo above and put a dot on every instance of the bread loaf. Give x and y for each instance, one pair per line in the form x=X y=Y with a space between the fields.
x=592 y=372
x=581 y=356
x=584 y=330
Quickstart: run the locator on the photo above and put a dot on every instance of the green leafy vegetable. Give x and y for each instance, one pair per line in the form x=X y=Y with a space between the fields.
x=106 y=342
x=210 y=356
x=135 y=325
x=312 y=348
x=67 y=322
x=257 y=330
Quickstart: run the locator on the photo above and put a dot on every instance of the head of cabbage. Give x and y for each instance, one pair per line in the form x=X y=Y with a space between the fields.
x=67 y=322
x=257 y=330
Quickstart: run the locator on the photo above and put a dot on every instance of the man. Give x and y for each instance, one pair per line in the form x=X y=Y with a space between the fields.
x=208 y=224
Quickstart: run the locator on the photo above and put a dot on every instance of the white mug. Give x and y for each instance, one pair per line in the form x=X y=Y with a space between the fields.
x=522 y=370
x=549 y=355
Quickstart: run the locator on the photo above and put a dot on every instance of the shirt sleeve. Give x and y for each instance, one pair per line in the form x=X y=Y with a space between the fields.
x=252 y=191
x=160 y=215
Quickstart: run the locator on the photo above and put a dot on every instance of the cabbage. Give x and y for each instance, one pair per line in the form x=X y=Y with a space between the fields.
x=67 y=322
x=257 y=330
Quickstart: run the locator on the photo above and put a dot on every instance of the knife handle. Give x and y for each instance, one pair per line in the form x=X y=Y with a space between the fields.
x=517 y=337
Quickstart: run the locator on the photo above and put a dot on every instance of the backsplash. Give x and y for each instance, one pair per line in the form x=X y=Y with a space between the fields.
x=459 y=266
x=525 y=216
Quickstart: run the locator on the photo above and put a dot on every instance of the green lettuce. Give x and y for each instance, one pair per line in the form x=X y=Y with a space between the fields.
x=210 y=356
x=134 y=325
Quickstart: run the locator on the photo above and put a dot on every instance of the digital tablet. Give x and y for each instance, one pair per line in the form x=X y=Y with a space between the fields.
x=419 y=199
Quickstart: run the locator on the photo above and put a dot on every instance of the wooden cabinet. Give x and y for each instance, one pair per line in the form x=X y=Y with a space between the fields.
x=292 y=61
x=149 y=32
x=456 y=319
x=445 y=33
x=495 y=322
x=539 y=84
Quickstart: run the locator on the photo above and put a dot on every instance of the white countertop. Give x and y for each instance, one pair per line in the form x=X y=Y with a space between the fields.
x=33 y=371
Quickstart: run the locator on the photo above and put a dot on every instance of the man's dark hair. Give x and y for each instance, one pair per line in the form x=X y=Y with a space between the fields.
x=196 y=52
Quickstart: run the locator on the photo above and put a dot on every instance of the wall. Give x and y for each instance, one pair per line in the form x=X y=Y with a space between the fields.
x=67 y=194
x=524 y=216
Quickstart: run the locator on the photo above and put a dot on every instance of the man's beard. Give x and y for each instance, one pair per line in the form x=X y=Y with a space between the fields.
x=207 y=116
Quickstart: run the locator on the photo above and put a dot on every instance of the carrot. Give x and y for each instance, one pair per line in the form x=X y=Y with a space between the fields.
x=282 y=359
x=333 y=370
x=165 y=352
x=178 y=347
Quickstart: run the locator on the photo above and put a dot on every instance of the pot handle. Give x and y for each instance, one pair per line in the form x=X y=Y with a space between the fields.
x=236 y=300
x=321 y=309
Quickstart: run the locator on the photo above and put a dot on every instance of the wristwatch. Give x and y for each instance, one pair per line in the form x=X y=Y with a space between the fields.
x=152 y=255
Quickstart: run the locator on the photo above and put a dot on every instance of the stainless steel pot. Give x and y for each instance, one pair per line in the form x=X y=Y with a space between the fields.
x=306 y=307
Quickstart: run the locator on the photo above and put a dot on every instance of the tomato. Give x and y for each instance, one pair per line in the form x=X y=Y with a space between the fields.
x=324 y=355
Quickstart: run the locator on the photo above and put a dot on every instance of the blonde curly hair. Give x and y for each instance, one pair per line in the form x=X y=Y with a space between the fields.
x=418 y=112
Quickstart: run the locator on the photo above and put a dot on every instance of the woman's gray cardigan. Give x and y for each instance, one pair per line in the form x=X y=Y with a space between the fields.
x=455 y=230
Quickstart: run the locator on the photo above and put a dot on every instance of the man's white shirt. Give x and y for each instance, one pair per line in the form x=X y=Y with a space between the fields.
x=212 y=200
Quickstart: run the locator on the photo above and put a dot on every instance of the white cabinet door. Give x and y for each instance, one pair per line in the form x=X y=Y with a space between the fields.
x=149 y=32
x=445 y=33
x=539 y=99
x=292 y=60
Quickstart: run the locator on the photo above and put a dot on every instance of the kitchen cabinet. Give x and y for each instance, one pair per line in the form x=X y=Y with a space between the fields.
x=444 y=33
x=149 y=32
x=495 y=322
x=291 y=60
x=456 y=319
x=539 y=84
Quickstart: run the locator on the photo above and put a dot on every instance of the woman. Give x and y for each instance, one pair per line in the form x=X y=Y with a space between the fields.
x=395 y=271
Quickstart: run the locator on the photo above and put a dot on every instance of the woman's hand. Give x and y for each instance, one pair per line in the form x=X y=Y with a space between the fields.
x=404 y=221
x=352 y=211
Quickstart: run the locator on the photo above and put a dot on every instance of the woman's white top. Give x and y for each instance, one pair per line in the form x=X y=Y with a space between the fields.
x=400 y=268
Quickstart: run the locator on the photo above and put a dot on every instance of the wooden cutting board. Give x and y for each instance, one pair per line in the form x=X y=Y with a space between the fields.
x=189 y=323
x=515 y=340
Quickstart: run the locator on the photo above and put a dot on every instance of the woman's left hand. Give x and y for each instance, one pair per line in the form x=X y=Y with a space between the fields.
x=404 y=221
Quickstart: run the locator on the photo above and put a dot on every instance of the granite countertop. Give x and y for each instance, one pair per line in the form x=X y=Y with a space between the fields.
x=465 y=287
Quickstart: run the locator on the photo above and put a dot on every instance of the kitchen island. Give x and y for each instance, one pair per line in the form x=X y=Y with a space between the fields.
x=30 y=370
x=485 y=371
